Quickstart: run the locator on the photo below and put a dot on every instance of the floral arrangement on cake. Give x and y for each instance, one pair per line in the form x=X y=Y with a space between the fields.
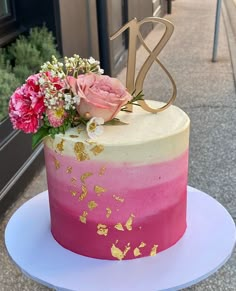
x=64 y=95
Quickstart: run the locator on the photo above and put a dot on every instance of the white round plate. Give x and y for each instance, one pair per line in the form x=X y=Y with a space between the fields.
x=206 y=245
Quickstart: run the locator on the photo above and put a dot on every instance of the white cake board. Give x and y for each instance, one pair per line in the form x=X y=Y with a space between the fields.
x=206 y=245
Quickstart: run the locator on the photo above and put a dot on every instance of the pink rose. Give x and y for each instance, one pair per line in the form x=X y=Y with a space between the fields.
x=100 y=95
x=26 y=106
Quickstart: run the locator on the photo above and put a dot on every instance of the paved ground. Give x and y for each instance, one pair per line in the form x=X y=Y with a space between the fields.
x=206 y=91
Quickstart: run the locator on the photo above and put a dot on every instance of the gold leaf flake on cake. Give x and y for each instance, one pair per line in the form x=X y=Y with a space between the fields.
x=79 y=130
x=60 y=146
x=80 y=152
x=99 y=190
x=102 y=171
x=137 y=251
x=57 y=164
x=119 y=226
x=84 y=192
x=92 y=204
x=127 y=248
x=73 y=180
x=97 y=149
x=117 y=198
x=83 y=217
x=118 y=253
x=69 y=170
x=142 y=245
x=153 y=250
x=73 y=136
x=90 y=141
x=102 y=229
x=73 y=192
x=108 y=210
x=129 y=222
x=85 y=176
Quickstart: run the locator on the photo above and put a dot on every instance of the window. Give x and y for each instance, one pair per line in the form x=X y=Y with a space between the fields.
x=4 y=8
x=7 y=20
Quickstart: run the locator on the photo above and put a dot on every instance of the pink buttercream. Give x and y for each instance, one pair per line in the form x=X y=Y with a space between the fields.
x=154 y=194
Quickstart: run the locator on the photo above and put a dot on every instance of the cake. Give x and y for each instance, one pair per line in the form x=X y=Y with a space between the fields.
x=123 y=195
x=117 y=181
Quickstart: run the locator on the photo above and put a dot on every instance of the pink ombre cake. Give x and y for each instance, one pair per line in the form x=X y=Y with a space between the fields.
x=122 y=196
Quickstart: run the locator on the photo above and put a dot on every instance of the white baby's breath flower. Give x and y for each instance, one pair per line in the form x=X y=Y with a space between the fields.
x=70 y=101
x=53 y=101
x=67 y=97
x=92 y=61
x=67 y=106
x=76 y=100
x=101 y=71
x=44 y=66
x=41 y=80
x=94 y=127
x=61 y=75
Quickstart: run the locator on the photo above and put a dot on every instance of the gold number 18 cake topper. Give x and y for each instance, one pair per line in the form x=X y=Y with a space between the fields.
x=136 y=85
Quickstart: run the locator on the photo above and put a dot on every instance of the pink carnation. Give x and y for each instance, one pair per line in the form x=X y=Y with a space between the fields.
x=26 y=106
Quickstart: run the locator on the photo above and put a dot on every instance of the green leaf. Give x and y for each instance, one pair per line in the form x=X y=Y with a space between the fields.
x=39 y=135
x=115 y=121
x=137 y=97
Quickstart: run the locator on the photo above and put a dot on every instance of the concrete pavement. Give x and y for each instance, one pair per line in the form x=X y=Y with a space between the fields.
x=206 y=91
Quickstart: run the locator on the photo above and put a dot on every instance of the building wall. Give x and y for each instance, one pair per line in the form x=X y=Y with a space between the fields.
x=78 y=25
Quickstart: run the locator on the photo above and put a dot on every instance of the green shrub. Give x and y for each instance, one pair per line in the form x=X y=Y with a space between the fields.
x=44 y=42
x=22 y=72
x=21 y=59
x=8 y=83
x=4 y=61
x=24 y=54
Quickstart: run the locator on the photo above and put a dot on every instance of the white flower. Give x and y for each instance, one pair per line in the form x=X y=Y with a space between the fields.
x=67 y=98
x=70 y=101
x=44 y=67
x=93 y=61
x=94 y=127
x=53 y=74
x=101 y=71
x=61 y=75
x=53 y=101
x=76 y=100
x=67 y=106
x=41 y=81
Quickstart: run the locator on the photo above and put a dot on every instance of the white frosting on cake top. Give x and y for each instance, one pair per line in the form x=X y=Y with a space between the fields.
x=146 y=137
x=144 y=126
